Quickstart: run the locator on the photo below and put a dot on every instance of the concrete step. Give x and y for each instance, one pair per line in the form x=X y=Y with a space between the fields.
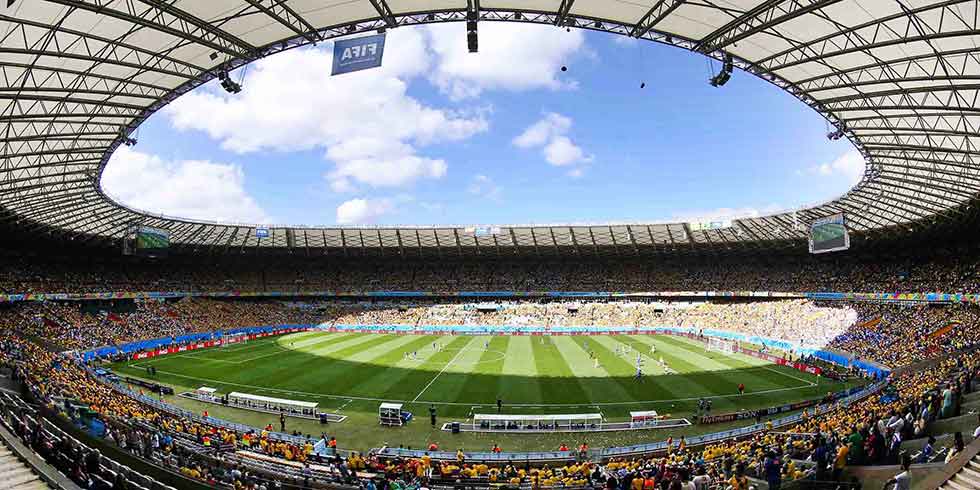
x=967 y=480
x=32 y=485
x=952 y=485
x=964 y=423
x=19 y=478
x=14 y=474
x=8 y=459
x=14 y=471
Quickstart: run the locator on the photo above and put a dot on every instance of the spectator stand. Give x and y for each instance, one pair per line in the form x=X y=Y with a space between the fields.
x=179 y=412
x=13 y=409
x=605 y=454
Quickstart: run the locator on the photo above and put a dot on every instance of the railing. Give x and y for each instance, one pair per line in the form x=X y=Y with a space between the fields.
x=613 y=452
x=13 y=409
x=210 y=421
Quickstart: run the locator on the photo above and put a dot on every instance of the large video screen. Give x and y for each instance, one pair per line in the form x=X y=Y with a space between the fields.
x=829 y=234
x=152 y=241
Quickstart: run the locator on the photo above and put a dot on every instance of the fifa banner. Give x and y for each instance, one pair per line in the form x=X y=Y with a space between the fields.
x=359 y=53
x=262 y=232
x=829 y=234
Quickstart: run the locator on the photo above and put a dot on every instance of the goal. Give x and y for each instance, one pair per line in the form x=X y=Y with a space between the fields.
x=234 y=338
x=722 y=345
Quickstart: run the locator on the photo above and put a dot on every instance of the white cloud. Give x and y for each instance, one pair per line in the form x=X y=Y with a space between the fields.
x=196 y=189
x=561 y=151
x=849 y=166
x=549 y=133
x=511 y=57
x=549 y=126
x=363 y=211
x=378 y=162
x=484 y=186
x=365 y=122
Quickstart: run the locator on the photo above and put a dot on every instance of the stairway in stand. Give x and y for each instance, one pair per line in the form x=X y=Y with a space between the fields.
x=15 y=475
x=968 y=478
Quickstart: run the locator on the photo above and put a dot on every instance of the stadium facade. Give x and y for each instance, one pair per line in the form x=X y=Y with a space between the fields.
x=897 y=79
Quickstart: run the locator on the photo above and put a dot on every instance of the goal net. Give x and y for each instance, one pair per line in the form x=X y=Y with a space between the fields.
x=722 y=345
x=234 y=338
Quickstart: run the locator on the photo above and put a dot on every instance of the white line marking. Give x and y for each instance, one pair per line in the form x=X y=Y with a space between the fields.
x=434 y=378
x=525 y=405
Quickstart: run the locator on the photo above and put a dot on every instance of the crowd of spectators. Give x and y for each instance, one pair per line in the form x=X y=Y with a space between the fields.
x=891 y=334
x=20 y=274
x=80 y=325
x=897 y=335
x=796 y=321
x=869 y=432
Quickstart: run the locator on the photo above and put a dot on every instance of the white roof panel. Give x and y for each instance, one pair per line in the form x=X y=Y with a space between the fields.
x=871 y=68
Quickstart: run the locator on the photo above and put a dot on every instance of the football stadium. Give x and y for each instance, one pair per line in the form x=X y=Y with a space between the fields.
x=144 y=347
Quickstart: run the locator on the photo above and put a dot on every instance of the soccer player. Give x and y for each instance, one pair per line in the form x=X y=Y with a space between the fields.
x=486 y=345
x=741 y=389
x=596 y=362
x=639 y=374
x=653 y=349
x=434 y=346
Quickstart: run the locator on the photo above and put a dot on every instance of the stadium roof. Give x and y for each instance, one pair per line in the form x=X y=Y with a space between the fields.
x=899 y=78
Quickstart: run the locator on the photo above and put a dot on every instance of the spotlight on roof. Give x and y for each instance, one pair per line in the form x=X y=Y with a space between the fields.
x=472 y=36
x=836 y=134
x=128 y=141
x=725 y=74
x=230 y=86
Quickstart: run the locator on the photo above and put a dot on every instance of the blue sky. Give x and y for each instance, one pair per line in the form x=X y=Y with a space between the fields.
x=441 y=136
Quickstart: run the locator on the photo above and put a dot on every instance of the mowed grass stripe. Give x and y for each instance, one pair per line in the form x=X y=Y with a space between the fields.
x=685 y=384
x=248 y=351
x=387 y=371
x=520 y=382
x=755 y=377
x=464 y=371
x=595 y=381
x=414 y=380
x=484 y=384
x=556 y=381
x=759 y=380
x=287 y=371
x=723 y=382
x=346 y=374
x=726 y=361
x=651 y=387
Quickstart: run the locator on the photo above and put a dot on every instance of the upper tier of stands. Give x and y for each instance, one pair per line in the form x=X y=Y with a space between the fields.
x=21 y=273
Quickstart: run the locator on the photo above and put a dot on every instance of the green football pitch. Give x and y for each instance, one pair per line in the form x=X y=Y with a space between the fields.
x=351 y=373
